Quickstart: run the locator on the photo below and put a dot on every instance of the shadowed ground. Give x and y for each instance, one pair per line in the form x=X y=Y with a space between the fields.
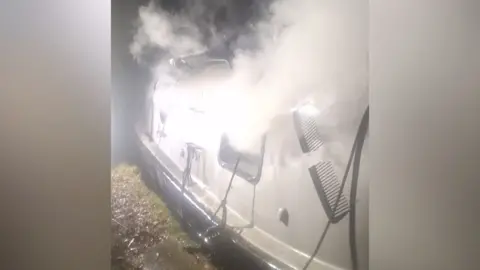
x=144 y=235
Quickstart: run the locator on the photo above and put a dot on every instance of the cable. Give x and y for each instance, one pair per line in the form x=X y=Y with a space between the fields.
x=251 y=224
x=319 y=244
x=353 y=190
x=353 y=153
x=223 y=202
x=324 y=233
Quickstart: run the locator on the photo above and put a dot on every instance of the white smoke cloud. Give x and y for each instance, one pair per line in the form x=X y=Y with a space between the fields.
x=308 y=49
x=175 y=34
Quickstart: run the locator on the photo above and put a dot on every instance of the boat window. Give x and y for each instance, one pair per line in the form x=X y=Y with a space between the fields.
x=250 y=164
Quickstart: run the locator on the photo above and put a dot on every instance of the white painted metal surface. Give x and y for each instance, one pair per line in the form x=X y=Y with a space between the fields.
x=285 y=182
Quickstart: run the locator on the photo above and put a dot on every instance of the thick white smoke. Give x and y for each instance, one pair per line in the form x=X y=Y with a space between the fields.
x=173 y=33
x=309 y=49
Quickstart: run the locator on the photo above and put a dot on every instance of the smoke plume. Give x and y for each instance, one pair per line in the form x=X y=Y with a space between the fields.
x=292 y=52
x=170 y=32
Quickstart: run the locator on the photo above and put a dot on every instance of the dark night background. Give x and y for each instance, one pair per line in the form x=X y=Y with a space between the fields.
x=130 y=79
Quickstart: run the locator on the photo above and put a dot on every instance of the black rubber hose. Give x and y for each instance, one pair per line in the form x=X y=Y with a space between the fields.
x=224 y=200
x=354 y=154
x=353 y=191
x=324 y=233
x=222 y=205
